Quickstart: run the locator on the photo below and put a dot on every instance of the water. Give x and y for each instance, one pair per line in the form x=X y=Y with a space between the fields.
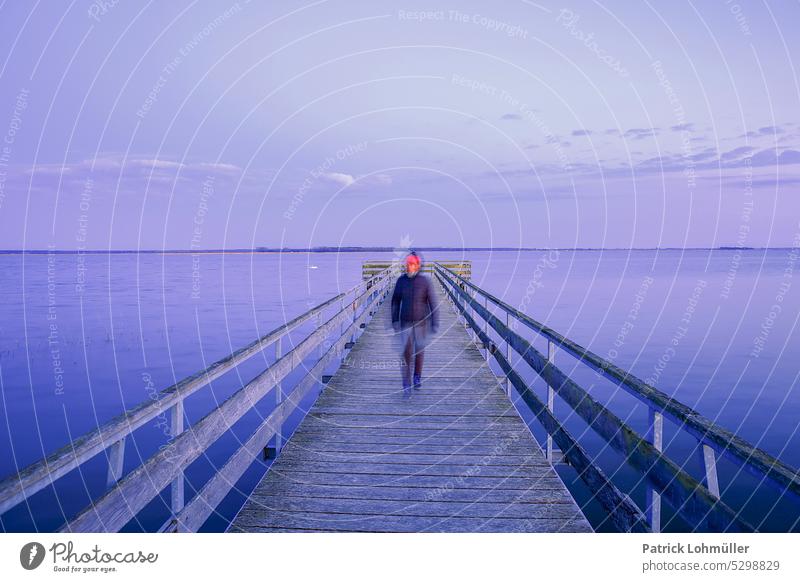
x=82 y=338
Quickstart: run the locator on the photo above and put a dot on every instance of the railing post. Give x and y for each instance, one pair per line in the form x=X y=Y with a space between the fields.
x=709 y=463
x=655 y=434
x=321 y=347
x=508 y=354
x=551 y=356
x=474 y=317
x=353 y=336
x=177 y=487
x=116 y=456
x=278 y=398
x=342 y=329
x=486 y=327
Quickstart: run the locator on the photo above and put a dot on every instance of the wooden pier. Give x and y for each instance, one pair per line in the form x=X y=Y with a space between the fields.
x=455 y=457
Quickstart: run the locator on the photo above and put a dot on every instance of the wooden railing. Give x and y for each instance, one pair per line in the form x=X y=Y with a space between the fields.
x=127 y=496
x=698 y=503
x=370 y=268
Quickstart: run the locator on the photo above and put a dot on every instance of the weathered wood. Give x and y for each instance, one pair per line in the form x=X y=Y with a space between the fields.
x=457 y=451
x=259 y=511
x=114 y=509
x=214 y=491
x=479 y=447
x=382 y=523
x=431 y=422
x=370 y=268
x=431 y=470
x=698 y=506
x=394 y=493
x=520 y=482
x=178 y=485
x=116 y=458
x=622 y=510
x=16 y=488
x=709 y=463
x=779 y=475
x=429 y=414
x=551 y=356
x=654 y=435
x=423 y=434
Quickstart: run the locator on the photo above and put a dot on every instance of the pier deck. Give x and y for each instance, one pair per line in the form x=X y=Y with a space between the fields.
x=456 y=457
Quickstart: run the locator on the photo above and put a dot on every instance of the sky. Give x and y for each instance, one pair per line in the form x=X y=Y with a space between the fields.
x=207 y=125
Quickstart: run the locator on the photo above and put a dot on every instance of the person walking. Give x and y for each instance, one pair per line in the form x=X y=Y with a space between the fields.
x=414 y=319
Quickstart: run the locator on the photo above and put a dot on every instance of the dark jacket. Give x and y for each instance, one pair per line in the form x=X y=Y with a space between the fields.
x=414 y=300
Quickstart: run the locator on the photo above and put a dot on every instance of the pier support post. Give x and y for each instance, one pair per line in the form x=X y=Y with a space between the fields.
x=655 y=434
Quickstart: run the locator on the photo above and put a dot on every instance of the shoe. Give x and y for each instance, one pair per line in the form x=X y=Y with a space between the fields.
x=406 y=392
x=417 y=382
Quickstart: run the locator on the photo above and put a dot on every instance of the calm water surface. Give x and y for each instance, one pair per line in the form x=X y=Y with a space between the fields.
x=82 y=338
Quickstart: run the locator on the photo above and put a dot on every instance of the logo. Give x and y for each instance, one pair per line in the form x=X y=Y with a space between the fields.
x=31 y=555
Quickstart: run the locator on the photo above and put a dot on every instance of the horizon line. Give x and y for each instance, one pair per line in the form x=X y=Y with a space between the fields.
x=356 y=249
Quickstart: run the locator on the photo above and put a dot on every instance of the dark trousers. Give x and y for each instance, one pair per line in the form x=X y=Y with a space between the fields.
x=414 y=349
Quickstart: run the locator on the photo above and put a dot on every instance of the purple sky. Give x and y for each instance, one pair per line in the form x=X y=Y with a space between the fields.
x=209 y=125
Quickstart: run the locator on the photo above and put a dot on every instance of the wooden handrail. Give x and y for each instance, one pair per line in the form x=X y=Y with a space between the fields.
x=130 y=495
x=370 y=267
x=754 y=460
x=203 y=504
x=16 y=488
x=699 y=506
x=624 y=513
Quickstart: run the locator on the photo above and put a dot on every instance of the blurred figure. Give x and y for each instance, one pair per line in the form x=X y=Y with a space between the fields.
x=414 y=318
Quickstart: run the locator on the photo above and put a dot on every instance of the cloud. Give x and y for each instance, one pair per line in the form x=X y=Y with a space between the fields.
x=773 y=158
x=736 y=153
x=119 y=166
x=737 y=158
x=579 y=132
x=511 y=116
x=340 y=178
x=767 y=131
x=131 y=175
x=683 y=127
x=725 y=165
x=641 y=133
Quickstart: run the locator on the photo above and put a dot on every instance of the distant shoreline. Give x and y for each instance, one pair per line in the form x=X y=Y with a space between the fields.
x=365 y=250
